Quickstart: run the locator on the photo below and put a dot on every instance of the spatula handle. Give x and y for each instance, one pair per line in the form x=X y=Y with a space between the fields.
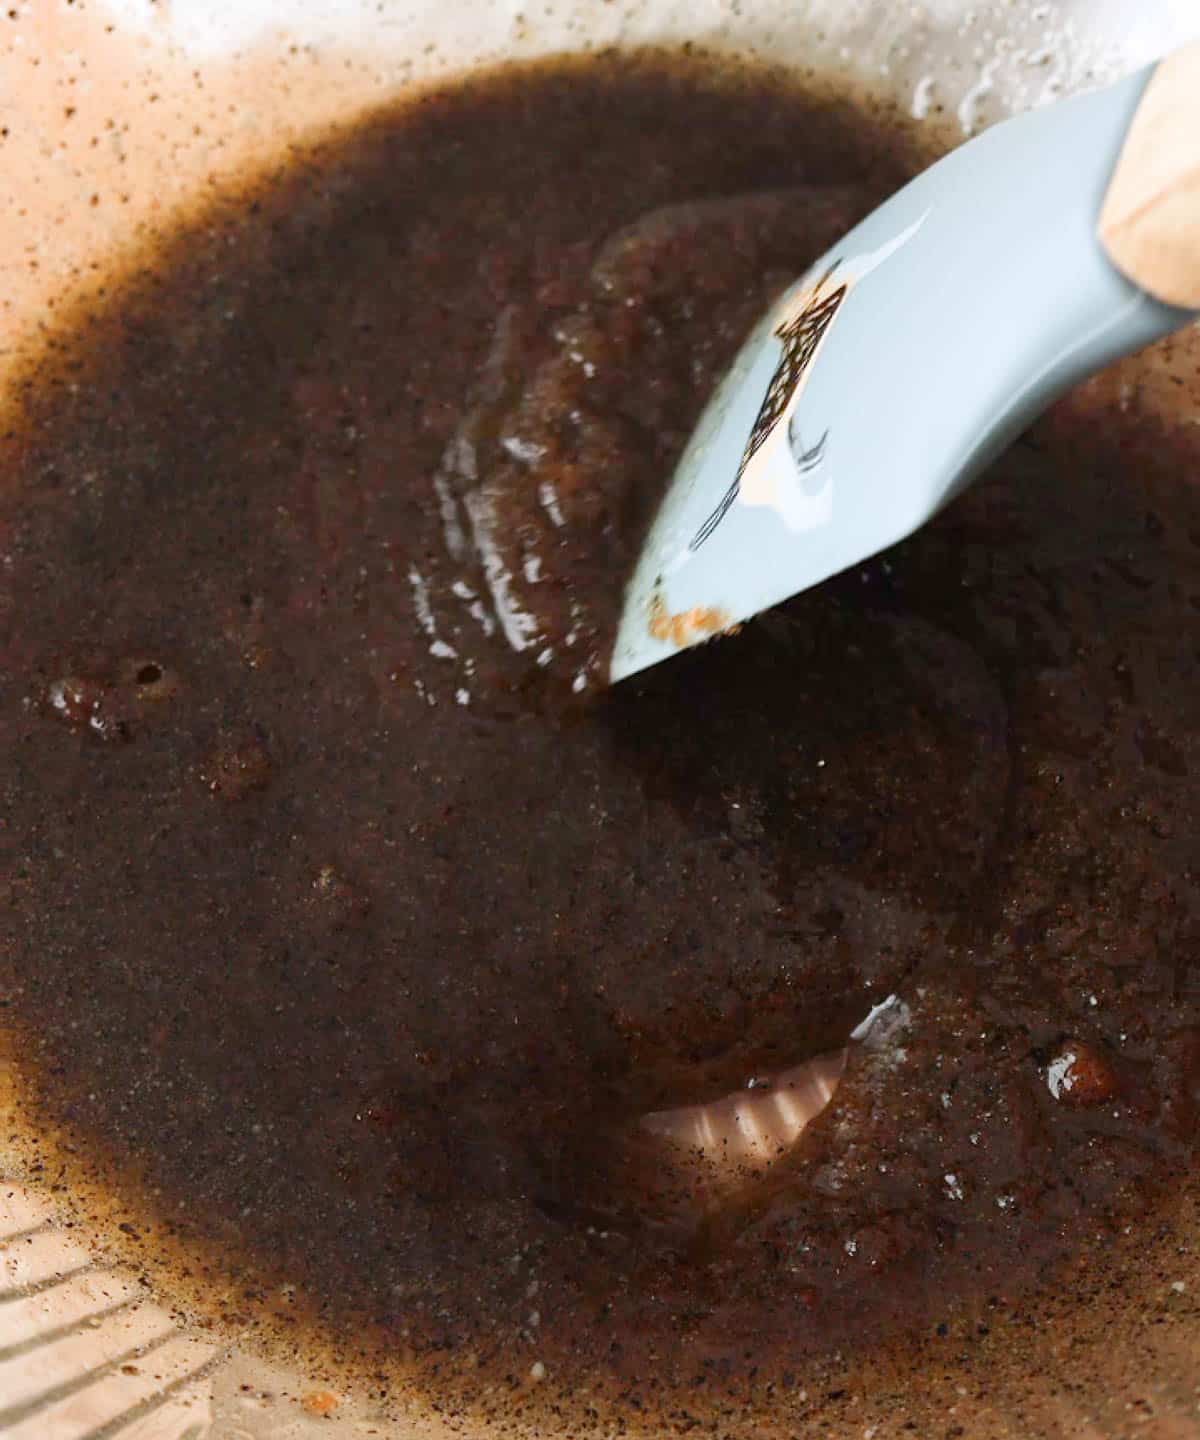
x=1150 y=220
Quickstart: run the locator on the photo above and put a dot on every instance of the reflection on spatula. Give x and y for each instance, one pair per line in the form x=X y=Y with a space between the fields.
x=913 y=352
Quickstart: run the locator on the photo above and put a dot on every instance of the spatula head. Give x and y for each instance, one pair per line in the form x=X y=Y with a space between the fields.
x=891 y=372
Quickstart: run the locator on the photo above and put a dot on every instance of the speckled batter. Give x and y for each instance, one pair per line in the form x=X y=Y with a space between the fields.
x=335 y=918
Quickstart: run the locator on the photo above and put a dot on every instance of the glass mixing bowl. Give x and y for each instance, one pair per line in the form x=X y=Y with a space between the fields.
x=117 y=118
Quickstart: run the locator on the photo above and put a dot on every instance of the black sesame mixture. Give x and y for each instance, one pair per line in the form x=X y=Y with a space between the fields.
x=365 y=942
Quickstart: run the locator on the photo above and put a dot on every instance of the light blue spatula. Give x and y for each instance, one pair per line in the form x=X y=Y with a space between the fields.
x=912 y=353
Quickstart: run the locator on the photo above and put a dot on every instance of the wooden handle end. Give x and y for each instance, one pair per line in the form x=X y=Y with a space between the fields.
x=1150 y=220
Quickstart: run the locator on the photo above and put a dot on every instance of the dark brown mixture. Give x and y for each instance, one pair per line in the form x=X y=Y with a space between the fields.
x=330 y=918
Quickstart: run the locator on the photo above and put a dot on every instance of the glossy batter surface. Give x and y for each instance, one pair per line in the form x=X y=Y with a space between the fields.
x=367 y=943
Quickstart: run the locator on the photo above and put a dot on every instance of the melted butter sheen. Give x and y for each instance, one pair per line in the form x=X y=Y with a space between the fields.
x=353 y=951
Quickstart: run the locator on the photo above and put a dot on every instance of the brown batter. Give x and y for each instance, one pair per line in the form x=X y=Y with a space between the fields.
x=330 y=917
